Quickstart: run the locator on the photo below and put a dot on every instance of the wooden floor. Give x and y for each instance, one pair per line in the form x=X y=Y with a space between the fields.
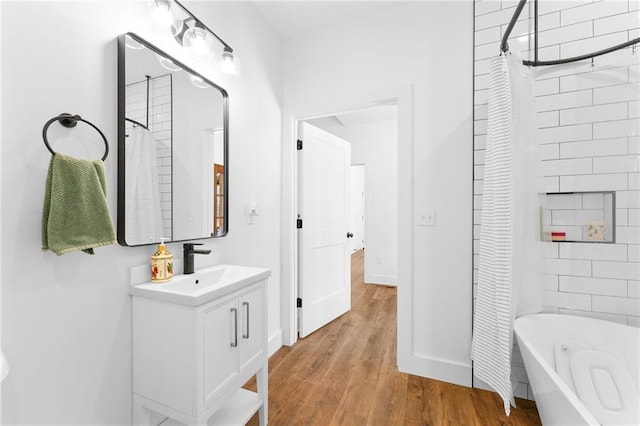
x=345 y=374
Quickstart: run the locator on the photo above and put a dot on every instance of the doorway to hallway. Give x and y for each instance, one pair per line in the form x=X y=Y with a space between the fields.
x=373 y=135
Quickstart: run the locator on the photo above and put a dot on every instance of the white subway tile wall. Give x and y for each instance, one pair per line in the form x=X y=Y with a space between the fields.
x=159 y=122
x=588 y=115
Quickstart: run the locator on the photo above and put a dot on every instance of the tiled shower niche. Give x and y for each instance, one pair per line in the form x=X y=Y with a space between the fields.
x=586 y=217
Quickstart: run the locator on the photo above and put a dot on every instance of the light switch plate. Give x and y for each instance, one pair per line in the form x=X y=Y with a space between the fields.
x=426 y=217
x=253 y=210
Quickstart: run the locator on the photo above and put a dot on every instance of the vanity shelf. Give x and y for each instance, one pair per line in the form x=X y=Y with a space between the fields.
x=238 y=411
x=585 y=217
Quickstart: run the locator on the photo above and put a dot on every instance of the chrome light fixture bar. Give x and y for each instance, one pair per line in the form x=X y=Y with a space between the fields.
x=194 y=35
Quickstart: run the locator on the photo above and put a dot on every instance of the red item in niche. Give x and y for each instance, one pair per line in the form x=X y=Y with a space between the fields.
x=558 y=236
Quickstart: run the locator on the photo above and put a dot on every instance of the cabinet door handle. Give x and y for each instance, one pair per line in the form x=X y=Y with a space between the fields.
x=234 y=314
x=246 y=304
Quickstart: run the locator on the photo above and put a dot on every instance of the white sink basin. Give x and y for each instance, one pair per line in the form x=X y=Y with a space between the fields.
x=202 y=286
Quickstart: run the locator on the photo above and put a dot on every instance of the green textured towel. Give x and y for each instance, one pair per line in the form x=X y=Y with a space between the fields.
x=75 y=214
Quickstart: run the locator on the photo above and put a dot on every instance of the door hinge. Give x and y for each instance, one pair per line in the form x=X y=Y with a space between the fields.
x=299 y=144
x=299 y=223
x=298 y=303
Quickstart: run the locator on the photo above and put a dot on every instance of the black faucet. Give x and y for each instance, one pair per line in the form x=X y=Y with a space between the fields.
x=189 y=251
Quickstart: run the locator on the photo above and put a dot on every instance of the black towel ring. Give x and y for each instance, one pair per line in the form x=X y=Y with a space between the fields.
x=68 y=120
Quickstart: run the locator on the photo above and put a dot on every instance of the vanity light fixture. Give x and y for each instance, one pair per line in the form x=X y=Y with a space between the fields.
x=192 y=34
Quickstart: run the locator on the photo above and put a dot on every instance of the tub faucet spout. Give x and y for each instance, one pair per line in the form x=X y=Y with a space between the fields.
x=189 y=251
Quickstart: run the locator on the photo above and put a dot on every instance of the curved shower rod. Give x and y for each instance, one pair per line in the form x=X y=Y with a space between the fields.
x=504 y=46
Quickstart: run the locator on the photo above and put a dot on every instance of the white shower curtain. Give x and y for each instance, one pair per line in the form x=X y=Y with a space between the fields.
x=509 y=257
x=142 y=199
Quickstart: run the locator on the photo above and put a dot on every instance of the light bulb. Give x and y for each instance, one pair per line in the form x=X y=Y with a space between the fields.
x=198 y=41
x=164 y=18
x=227 y=64
x=161 y=13
x=230 y=65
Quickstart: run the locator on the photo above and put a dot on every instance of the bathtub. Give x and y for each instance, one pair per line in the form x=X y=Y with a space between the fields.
x=583 y=371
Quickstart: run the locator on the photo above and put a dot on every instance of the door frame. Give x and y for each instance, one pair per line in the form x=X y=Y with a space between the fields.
x=402 y=96
x=365 y=184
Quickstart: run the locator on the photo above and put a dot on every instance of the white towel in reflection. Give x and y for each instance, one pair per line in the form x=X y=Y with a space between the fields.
x=142 y=201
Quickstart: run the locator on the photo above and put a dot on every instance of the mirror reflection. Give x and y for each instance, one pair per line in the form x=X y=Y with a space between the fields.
x=172 y=140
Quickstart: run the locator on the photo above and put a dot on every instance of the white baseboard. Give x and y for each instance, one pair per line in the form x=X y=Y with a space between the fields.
x=481 y=384
x=275 y=342
x=390 y=280
x=437 y=369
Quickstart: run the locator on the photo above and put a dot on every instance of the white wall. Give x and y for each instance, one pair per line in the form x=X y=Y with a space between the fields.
x=1 y=40
x=423 y=53
x=375 y=144
x=66 y=321
x=589 y=131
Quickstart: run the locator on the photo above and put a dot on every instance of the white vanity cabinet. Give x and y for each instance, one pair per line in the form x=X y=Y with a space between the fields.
x=233 y=341
x=190 y=362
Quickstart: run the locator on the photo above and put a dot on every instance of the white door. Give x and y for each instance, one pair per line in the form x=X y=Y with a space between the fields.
x=324 y=170
x=357 y=207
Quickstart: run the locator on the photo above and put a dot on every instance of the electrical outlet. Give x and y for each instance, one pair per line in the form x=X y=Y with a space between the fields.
x=426 y=217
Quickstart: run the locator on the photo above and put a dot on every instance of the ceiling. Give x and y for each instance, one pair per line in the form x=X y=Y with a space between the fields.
x=296 y=17
x=293 y=18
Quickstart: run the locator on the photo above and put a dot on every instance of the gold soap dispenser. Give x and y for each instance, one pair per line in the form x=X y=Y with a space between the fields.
x=161 y=264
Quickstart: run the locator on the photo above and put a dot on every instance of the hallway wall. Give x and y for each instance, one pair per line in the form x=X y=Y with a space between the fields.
x=402 y=51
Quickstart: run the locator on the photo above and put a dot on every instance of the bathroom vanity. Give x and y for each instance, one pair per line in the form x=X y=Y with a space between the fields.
x=196 y=341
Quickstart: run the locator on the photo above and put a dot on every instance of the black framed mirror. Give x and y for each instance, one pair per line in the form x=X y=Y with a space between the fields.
x=173 y=157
